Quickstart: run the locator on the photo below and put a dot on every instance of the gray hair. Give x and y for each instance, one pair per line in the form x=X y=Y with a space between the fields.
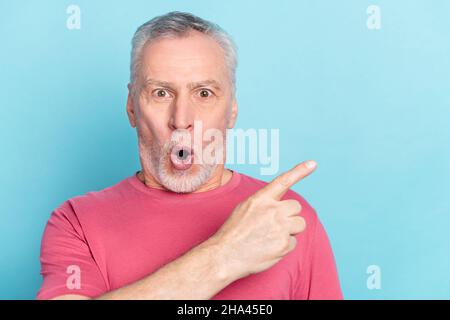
x=178 y=24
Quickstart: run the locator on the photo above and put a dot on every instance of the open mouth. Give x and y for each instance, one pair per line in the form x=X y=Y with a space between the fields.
x=182 y=157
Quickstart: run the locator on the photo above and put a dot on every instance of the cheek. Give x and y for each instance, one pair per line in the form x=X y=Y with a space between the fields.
x=216 y=117
x=152 y=128
x=216 y=123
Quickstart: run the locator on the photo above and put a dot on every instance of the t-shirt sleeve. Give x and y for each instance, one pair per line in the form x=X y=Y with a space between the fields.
x=67 y=263
x=319 y=277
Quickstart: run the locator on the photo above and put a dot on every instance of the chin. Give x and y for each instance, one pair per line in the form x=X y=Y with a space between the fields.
x=184 y=181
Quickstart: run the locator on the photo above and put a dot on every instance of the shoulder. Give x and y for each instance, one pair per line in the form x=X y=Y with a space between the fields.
x=112 y=196
x=76 y=209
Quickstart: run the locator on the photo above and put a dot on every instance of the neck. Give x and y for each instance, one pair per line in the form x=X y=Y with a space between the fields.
x=220 y=176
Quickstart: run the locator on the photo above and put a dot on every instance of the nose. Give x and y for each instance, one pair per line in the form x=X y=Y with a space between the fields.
x=182 y=115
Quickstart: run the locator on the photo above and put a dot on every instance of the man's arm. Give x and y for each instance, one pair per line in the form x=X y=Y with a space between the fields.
x=198 y=274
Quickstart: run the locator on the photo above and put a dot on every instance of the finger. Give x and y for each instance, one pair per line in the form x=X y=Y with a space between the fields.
x=297 y=224
x=281 y=184
x=290 y=207
x=292 y=243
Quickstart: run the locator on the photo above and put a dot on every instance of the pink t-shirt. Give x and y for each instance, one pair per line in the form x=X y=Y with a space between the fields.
x=123 y=233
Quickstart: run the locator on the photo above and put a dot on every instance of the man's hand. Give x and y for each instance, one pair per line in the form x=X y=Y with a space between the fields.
x=261 y=230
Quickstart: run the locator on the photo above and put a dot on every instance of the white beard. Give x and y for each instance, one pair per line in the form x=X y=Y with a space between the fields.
x=157 y=159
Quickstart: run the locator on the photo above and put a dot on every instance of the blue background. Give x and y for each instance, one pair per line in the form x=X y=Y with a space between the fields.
x=371 y=106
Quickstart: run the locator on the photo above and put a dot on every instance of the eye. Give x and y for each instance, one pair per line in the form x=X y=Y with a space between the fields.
x=205 y=93
x=161 y=93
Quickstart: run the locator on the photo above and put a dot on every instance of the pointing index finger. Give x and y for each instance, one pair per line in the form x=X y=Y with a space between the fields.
x=281 y=184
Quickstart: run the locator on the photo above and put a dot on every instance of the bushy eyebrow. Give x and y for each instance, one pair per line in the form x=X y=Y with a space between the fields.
x=205 y=83
x=192 y=85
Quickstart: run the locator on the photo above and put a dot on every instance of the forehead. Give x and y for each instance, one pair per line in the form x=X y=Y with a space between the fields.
x=193 y=57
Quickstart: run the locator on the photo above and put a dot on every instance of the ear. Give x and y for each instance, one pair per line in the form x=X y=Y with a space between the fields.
x=233 y=114
x=130 y=108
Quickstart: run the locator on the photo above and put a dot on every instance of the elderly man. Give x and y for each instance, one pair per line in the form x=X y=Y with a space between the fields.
x=183 y=228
